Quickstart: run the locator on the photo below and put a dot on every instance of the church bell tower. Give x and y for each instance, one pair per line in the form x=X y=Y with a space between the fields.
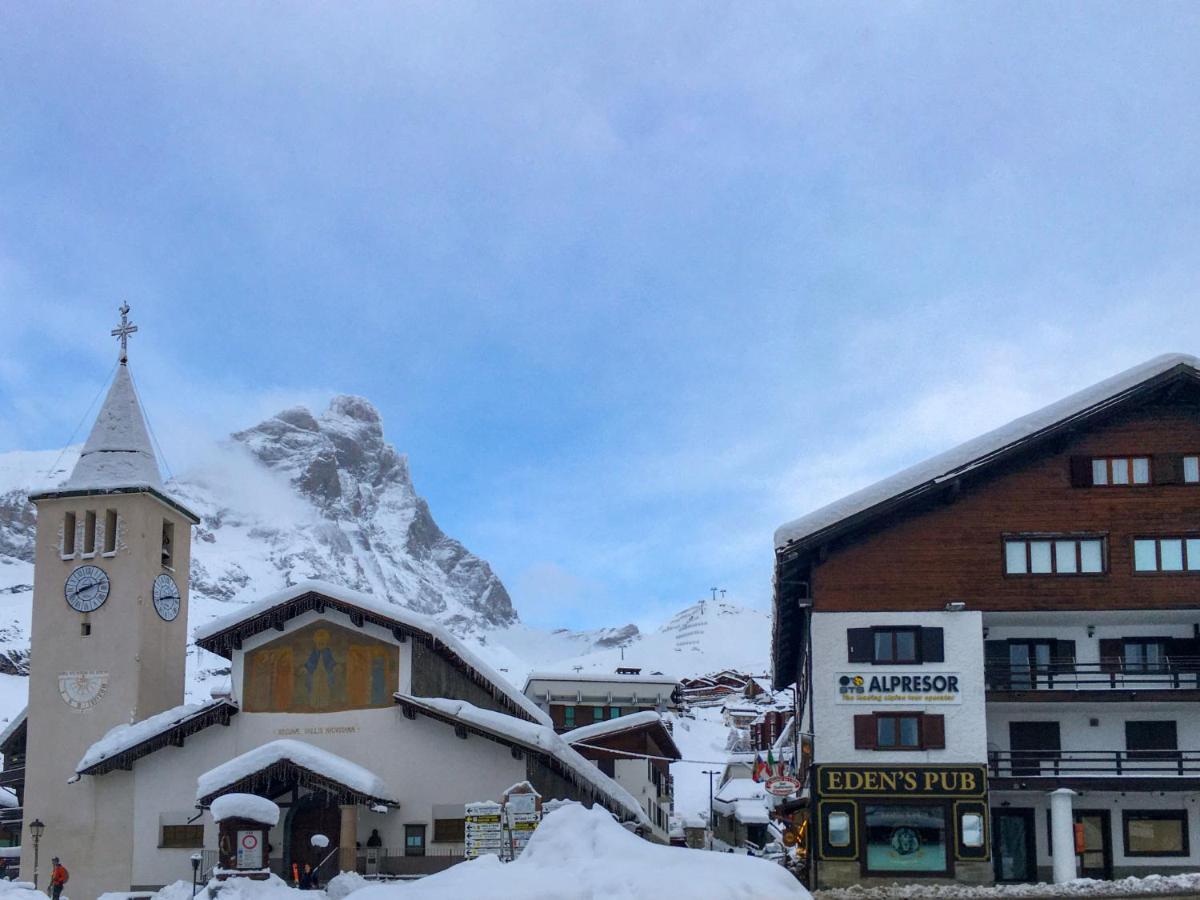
x=109 y=630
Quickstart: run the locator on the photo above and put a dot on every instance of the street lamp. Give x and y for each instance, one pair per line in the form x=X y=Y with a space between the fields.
x=36 y=828
x=196 y=858
x=710 y=773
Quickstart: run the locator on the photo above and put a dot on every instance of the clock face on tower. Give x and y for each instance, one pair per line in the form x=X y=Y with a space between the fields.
x=86 y=588
x=166 y=597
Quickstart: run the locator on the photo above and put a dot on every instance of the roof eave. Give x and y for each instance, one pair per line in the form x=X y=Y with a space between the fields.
x=54 y=493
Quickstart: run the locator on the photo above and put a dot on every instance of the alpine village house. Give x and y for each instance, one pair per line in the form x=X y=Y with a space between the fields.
x=998 y=650
x=364 y=721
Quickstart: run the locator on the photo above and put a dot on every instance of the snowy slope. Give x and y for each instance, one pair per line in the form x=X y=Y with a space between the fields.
x=303 y=496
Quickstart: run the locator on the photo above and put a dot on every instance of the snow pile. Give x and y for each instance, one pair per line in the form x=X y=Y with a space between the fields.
x=306 y=756
x=270 y=888
x=1149 y=886
x=344 y=884
x=582 y=854
x=123 y=737
x=245 y=806
x=20 y=890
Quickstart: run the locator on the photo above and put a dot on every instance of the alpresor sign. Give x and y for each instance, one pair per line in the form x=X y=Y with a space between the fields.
x=898 y=687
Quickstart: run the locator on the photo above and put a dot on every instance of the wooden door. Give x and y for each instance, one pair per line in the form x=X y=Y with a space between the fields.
x=308 y=820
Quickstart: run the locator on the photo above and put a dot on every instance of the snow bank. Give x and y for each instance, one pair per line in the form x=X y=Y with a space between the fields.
x=582 y=854
x=1148 y=886
x=245 y=806
x=20 y=890
x=271 y=888
x=330 y=765
x=344 y=884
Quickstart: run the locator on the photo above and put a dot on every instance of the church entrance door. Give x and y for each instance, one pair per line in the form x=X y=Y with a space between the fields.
x=313 y=815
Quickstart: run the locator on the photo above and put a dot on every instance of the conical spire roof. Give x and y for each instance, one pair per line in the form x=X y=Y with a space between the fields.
x=118 y=453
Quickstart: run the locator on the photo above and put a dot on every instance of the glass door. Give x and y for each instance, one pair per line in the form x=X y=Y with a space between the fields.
x=1014 y=854
x=1029 y=664
x=1096 y=859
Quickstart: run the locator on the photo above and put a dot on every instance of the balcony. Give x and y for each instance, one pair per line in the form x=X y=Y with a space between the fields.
x=1066 y=679
x=1095 y=769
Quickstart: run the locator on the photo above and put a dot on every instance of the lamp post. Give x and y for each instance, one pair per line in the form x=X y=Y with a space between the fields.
x=196 y=858
x=710 y=773
x=36 y=829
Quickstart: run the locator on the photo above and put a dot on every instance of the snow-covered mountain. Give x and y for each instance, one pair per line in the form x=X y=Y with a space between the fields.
x=302 y=496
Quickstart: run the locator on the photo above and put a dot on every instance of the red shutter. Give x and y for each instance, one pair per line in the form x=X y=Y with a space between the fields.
x=1110 y=654
x=933 y=732
x=1166 y=468
x=864 y=732
x=1081 y=471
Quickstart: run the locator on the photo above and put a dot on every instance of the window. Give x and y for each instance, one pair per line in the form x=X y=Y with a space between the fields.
x=110 y=531
x=902 y=645
x=1053 y=555
x=414 y=840
x=972 y=830
x=1152 y=740
x=449 y=831
x=569 y=716
x=614 y=712
x=89 y=531
x=597 y=713
x=837 y=827
x=1144 y=654
x=1166 y=554
x=899 y=731
x=1117 y=471
x=85 y=629
x=182 y=836
x=1191 y=470
x=909 y=838
x=1158 y=832
x=168 y=542
x=68 y=534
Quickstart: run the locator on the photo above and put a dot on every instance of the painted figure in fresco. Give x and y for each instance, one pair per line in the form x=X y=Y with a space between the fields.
x=320 y=671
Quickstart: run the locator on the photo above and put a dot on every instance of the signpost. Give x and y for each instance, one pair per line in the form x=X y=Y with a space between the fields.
x=484 y=830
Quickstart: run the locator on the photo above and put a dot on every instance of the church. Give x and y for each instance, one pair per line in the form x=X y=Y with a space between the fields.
x=366 y=722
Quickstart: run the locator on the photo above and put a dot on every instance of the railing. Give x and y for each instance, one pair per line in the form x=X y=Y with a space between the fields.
x=1072 y=763
x=1175 y=673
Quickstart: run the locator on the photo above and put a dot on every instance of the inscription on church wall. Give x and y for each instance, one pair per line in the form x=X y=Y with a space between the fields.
x=321 y=667
x=317 y=729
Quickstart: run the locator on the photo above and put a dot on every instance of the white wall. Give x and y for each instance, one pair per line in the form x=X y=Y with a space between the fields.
x=833 y=720
x=1077 y=733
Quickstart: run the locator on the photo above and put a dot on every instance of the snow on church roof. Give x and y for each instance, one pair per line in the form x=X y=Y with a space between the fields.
x=118 y=453
x=980 y=449
x=534 y=737
x=306 y=756
x=125 y=737
x=390 y=611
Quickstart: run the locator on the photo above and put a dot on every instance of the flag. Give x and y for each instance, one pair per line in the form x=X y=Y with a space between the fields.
x=771 y=764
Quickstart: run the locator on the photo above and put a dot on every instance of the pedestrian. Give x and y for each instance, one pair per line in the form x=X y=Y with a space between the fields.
x=374 y=840
x=59 y=876
x=308 y=879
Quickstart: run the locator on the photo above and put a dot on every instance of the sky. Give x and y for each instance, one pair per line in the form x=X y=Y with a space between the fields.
x=631 y=283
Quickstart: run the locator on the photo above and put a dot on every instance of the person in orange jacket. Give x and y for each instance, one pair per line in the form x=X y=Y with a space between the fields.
x=58 y=878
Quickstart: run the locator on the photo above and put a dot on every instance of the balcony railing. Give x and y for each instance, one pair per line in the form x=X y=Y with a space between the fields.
x=1088 y=763
x=1176 y=673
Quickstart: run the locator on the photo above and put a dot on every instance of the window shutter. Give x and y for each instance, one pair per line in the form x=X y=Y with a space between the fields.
x=1063 y=657
x=933 y=732
x=1081 y=471
x=1110 y=654
x=995 y=665
x=860 y=644
x=932 y=646
x=1167 y=468
x=864 y=732
x=1184 y=654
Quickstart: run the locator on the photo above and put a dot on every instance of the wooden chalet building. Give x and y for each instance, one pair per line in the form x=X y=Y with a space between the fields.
x=998 y=649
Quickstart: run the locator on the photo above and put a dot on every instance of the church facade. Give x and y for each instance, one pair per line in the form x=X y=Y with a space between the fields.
x=367 y=723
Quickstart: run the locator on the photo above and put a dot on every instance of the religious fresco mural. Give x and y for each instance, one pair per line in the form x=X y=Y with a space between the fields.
x=321 y=667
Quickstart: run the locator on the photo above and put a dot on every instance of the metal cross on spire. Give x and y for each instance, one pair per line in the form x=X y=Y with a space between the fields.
x=123 y=331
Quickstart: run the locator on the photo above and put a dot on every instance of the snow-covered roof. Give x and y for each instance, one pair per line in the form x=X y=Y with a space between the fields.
x=245 y=806
x=306 y=756
x=981 y=449
x=600 y=676
x=121 y=738
x=9 y=730
x=744 y=799
x=391 y=612
x=541 y=738
x=118 y=453
x=620 y=725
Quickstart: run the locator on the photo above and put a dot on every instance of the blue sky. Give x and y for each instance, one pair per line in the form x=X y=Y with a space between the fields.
x=632 y=283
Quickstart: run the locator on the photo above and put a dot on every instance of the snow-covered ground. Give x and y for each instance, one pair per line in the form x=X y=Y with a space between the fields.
x=1151 y=885
x=701 y=736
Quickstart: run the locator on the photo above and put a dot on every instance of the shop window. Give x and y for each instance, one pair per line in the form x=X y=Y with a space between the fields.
x=414 y=840
x=1159 y=832
x=110 y=531
x=837 y=827
x=89 y=532
x=1166 y=554
x=909 y=838
x=449 y=831
x=972 y=829
x=895 y=645
x=1053 y=555
x=182 y=836
x=68 y=534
